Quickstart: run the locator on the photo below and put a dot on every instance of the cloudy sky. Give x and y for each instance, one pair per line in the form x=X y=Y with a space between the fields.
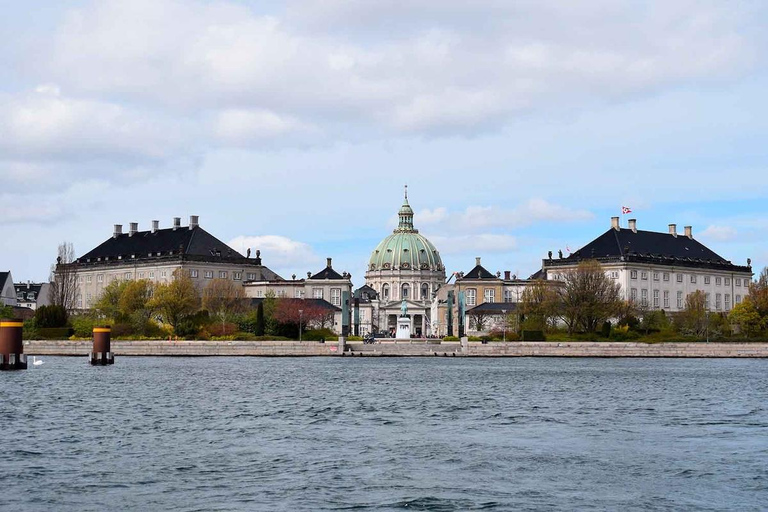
x=291 y=127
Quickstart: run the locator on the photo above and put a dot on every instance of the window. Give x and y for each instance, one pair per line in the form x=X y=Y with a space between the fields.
x=471 y=297
x=237 y=276
x=614 y=274
x=738 y=299
x=655 y=276
x=88 y=279
x=508 y=296
x=718 y=300
x=193 y=273
x=298 y=293
x=727 y=301
x=100 y=278
x=666 y=299
x=152 y=274
x=706 y=279
x=679 y=278
x=633 y=274
x=738 y=282
x=706 y=301
x=693 y=279
x=644 y=297
x=666 y=276
x=141 y=275
x=489 y=295
x=655 y=298
x=679 y=300
x=317 y=293
x=127 y=275
x=424 y=291
x=385 y=291
x=88 y=298
x=633 y=295
x=251 y=276
x=727 y=281
x=208 y=274
x=718 y=281
x=163 y=274
x=222 y=274
x=644 y=276
x=336 y=296
x=405 y=291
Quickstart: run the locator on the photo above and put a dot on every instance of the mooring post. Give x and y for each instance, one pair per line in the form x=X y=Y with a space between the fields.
x=102 y=351
x=11 y=346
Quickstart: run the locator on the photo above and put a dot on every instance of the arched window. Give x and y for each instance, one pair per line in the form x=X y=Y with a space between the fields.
x=424 y=291
x=406 y=289
x=385 y=291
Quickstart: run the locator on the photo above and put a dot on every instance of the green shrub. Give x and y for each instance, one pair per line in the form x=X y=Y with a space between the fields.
x=354 y=338
x=534 y=336
x=7 y=312
x=605 y=332
x=450 y=338
x=29 y=331
x=474 y=338
x=54 y=333
x=316 y=334
x=83 y=325
x=219 y=329
x=621 y=335
x=51 y=316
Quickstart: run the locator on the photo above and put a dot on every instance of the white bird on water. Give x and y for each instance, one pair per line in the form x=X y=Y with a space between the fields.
x=36 y=362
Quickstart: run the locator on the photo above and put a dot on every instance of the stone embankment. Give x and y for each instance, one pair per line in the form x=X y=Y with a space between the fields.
x=402 y=349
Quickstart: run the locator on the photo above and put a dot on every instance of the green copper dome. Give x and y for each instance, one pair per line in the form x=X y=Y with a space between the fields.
x=405 y=249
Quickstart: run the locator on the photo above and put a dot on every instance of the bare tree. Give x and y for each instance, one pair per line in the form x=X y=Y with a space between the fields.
x=224 y=298
x=65 y=289
x=589 y=297
x=478 y=319
x=540 y=304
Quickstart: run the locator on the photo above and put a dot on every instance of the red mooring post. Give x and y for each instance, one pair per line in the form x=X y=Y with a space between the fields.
x=102 y=353
x=11 y=347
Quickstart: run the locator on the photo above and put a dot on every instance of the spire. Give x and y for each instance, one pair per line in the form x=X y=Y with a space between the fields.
x=405 y=216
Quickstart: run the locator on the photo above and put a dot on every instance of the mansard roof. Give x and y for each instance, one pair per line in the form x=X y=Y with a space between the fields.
x=327 y=273
x=365 y=292
x=650 y=247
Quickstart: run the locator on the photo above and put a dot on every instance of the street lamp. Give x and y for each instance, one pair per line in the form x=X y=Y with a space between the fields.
x=504 y=323
x=301 y=312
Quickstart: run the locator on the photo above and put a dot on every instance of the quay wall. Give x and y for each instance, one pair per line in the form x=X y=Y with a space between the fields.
x=402 y=349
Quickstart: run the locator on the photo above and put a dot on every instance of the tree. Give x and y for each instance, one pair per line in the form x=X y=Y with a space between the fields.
x=478 y=319
x=108 y=303
x=51 y=316
x=693 y=319
x=746 y=317
x=758 y=294
x=588 y=297
x=539 y=304
x=224 y=299
x=306 y=312
x=177 y=299
x=260 y=319
x=64 y=289
x=135 y=304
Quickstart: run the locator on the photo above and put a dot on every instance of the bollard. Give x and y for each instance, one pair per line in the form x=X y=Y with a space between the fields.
x=11 y=347
x=102 y=353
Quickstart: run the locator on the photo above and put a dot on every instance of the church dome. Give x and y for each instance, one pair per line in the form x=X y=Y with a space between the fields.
x=405 y=248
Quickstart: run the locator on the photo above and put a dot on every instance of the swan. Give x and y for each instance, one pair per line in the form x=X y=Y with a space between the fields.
x=36 y=362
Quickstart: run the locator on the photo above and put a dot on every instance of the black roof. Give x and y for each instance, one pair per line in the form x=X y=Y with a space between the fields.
x=494 y=307
x=28 y=288
x=650 y=246
x=3 y=278
x=318 y=302
x=539 y=274
x=327 y=273
x=479 y=272
x=365 y=292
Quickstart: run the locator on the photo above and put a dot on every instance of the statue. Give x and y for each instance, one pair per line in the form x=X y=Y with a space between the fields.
x=549 y=254
x=403 y=309
x=560 y=253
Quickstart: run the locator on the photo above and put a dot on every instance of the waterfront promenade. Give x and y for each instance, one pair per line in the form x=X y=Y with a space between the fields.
x=403 y=349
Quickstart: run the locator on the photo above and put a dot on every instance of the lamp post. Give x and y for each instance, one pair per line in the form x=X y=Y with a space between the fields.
x=301 y=312
x=504 y=323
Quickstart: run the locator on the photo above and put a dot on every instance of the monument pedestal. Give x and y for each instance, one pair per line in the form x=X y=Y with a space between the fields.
x=403 y=328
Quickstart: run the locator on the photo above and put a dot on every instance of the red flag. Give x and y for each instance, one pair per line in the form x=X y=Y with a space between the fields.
x=625 y=210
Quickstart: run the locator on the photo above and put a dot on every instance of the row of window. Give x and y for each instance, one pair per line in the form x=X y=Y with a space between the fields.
x=405 y=291
x=656 y=303
x=719 y=281
x=193 y=273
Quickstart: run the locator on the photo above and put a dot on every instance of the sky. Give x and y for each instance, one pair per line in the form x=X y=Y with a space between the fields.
x=291 y=127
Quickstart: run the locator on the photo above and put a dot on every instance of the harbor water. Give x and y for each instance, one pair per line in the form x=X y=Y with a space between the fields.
x=439 y=434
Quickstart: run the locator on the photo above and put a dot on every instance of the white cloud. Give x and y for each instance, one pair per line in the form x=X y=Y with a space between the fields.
x=719 y=233
x=474 y=245
x=278 y=252
x=244 y=127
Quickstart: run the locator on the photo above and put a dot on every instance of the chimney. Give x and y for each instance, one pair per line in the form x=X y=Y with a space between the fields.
x=118 y=230
x=133 y=229
x=689 y=232
x=477 y=261
x=615 y=223
x=507 y=275
x=176 y=223
x=673 y=230
x=194 y=221
x=329 y=262
x=155 y=225
x=633 y=225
